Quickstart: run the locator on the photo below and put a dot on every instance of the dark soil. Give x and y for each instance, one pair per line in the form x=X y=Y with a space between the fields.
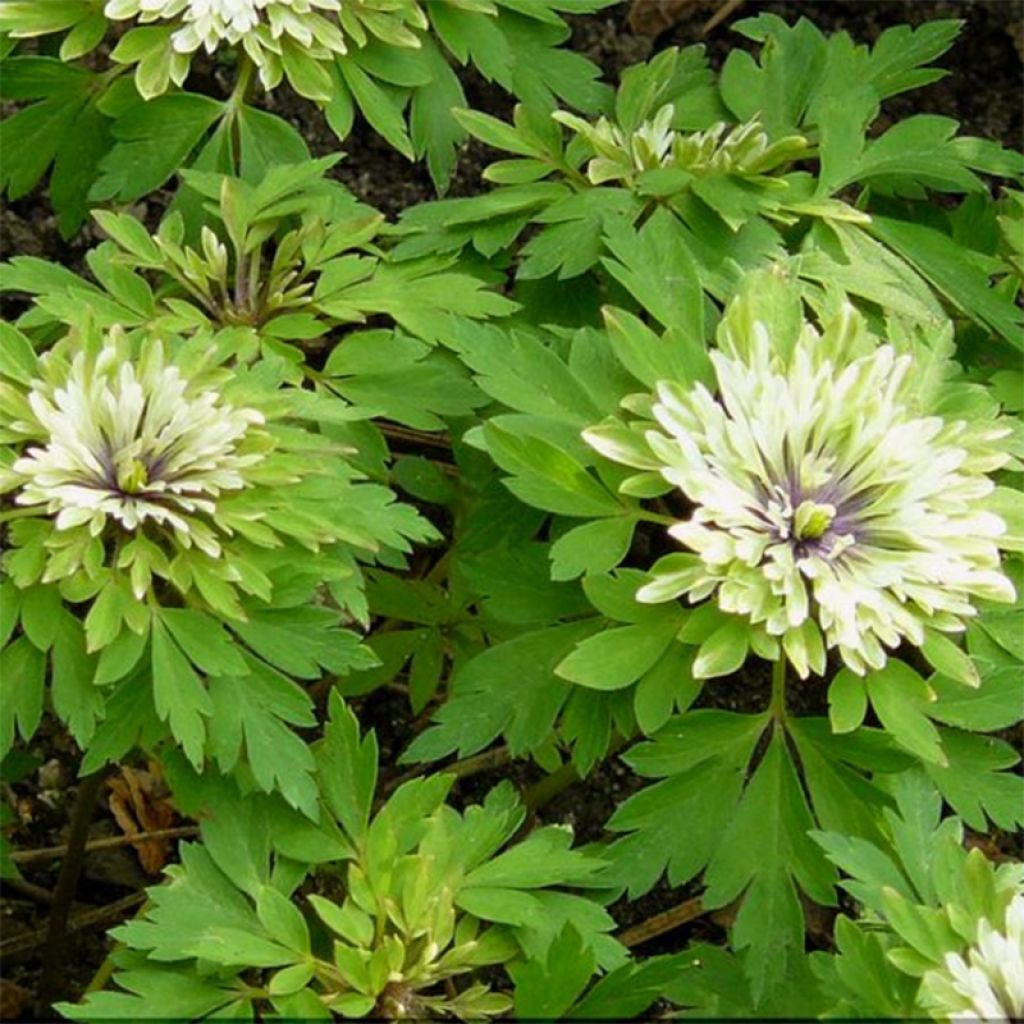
x=983 y=92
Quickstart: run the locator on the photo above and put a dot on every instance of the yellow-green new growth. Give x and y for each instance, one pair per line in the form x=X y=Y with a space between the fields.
x=742 y=150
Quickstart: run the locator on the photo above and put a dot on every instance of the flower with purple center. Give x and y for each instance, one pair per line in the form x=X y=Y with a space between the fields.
x=136 y=444
x=828 y=511
x=141 y=469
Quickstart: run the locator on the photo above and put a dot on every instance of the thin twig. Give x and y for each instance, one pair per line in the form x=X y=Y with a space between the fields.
x=52 y=852
x=720 y=15
x=423 y=437
x=461 y=769
x=53 y=974
x=76 y=923
x=661 y=923
x=36 y=892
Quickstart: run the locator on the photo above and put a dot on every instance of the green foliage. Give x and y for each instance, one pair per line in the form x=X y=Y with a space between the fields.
x=712 y=983
x=744 y=824
x=773 y=151
x=110 y=137
x=291 y=258
x=64 y=128
x=716 y=377
x=556 y=988
x=220 y=624
x=921 y=898
x=278 y=267
x=366 y=913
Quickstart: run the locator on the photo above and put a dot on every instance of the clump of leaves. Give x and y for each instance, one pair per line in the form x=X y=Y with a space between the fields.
x=775 y=155
x=935 y=930
x=389 y=61
x=725 y=774
x=771 y=429
x=940 y=929
x=390 y=913
x=165 y=508
x=232 y=254
x=287 y=265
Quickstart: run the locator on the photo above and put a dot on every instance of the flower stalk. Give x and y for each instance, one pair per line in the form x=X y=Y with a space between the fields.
x=778 y=704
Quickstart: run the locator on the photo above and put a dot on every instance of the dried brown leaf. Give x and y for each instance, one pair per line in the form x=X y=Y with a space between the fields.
x=140 y=804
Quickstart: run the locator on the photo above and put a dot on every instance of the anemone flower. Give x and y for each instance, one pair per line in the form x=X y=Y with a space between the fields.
x=828 y=511
x=137 y=444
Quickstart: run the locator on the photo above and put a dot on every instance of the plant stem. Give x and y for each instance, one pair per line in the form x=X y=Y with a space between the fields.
x=241 y=90
x=543 y=792
x=661 y=923
x=36 y=892
x=778 y=706
x=234 y=107
x=77 y=922
x=17 y=513
x=254 y=286
x=53 y=976
x=106 y=969
x=463 y=769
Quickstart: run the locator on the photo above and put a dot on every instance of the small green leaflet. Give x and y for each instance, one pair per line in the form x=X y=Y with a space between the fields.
x=347 y=767
x=152 y=141
x=976 y=782
x=595 y=547
x=22 y=668
x=941 y=261
x=900 y=698
x=75 y=699
x=204 y=640
x=615 y=658
x=510 y=689
x=179 y=695
x=763 y=854
x=677 y=823
x=177 y=992
x=545 y=990
x=64 y=127
x=251 y=713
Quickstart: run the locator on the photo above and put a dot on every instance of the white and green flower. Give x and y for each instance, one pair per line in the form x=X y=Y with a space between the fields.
x=266 y=29
x=157 y=469
x=742 y=149
x=134 y=443
x=828 y=510
x=208 y=24
x=987 y=981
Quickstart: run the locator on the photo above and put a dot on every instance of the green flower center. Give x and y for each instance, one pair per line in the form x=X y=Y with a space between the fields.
x=133 y=477
x=812 y=520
